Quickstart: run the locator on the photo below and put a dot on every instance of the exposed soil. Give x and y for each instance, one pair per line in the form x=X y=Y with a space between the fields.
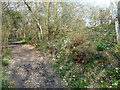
x=32 y=69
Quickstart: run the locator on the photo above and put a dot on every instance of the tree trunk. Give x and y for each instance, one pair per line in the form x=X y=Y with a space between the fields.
x=37 y=22
x=37 y=12
x=0 y=41
x=111 y=12
x=117 y=23
x=47 y=5
x=101 y=17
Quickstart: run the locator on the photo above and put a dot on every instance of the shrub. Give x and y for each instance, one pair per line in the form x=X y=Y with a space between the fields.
x=85 y=54
x=81 y=53
x=79 y=38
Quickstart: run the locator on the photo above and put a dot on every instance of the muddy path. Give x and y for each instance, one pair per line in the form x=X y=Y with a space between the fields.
x=32 y=69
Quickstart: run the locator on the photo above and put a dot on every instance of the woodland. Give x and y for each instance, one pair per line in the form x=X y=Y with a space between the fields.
x=80 y=42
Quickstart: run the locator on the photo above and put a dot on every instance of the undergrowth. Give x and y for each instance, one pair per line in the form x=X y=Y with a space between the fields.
x=86 y=58
x=5 y=62
x=89 y=59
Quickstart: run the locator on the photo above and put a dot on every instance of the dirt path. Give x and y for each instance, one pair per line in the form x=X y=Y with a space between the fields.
x=32 y=69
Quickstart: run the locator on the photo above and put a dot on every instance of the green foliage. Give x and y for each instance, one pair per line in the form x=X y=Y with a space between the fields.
x=113 y=76
x=10 y=21
x=5 y=83
x=47 y=53
x=43 y=47
x=15 y=16
x=101 y=47
x=5 y=62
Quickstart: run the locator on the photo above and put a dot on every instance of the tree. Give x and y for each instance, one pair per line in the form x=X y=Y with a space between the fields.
x=111 y=12
x=47 y=5
x=117 y=23
x=10 y=23
x=95 y=17
x=36 y=19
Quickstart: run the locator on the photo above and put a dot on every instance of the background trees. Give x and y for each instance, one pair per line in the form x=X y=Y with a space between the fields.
x=10 y=25
x=39 y=22
x=117 y=23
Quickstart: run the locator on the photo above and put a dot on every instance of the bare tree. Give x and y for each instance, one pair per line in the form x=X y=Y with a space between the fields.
x=111 y=12
x=47 y=5
x=117 y=23
x=37 y=22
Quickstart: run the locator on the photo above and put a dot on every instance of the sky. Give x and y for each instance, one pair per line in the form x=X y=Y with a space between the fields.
x=101 y=3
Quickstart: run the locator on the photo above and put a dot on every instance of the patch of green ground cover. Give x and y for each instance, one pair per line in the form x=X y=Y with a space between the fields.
x=43 y=47
x=110 y=79
x=23 y=41
x=5 y=82
x=5 y=62
x=6 y=58
x=54 y=44
x=101 y=40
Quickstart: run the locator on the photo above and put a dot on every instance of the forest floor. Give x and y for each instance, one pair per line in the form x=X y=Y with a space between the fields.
x=31 y=69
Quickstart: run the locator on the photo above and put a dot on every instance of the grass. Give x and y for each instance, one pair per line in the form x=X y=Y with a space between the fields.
x=23 y=41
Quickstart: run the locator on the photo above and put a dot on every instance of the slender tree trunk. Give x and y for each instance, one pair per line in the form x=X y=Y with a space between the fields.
x=37 y=22
x=47 y=5
x=117 y=23
x=36 y=5
x=1 y=41
x=111 y=12
x=101 y=17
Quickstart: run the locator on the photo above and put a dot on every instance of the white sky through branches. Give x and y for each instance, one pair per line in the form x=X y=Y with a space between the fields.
x=101 y=3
